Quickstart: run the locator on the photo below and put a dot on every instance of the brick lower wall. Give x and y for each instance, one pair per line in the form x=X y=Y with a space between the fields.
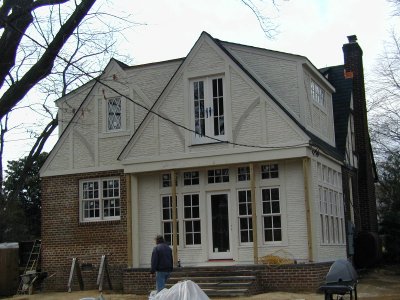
x=64 y=237
x=289 y=278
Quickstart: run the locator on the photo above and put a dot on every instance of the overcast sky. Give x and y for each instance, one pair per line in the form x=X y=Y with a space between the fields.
x=316 y=29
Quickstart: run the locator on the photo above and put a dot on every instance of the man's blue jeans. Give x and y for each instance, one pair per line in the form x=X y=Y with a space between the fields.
x=161 y=279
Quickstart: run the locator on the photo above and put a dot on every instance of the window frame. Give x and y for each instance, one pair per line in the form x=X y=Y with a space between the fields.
x=116 y=114
x=269 y=174
x=169 y=236
x=331 y=211
x=318 y=94
x=101 y=199
x=208 y=133
x=191 y=219
x=265 y=215
x=249 y=216
x=222 y=175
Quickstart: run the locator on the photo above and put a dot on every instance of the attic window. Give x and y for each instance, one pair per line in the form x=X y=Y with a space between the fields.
x=114 y=114
x=317 y=93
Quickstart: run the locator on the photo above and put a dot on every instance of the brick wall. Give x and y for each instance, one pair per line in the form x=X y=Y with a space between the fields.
x=64 y=237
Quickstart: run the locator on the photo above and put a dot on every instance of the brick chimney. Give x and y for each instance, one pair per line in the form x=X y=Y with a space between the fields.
x=353 y=65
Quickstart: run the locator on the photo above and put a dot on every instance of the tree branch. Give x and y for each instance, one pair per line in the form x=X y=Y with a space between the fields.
x=44 y=65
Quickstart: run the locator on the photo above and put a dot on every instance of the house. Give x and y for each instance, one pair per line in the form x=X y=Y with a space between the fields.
x=231 y=153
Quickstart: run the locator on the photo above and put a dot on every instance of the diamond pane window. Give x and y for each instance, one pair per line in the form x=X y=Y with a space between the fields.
x=114 y=114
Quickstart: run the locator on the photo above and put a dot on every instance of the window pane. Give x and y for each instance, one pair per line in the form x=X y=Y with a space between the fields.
x=275 y=207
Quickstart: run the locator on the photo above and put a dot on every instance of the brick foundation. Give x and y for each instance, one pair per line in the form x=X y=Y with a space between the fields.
x=290 y=278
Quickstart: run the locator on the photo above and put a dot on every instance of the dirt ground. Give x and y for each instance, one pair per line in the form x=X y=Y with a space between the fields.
x=378 y=284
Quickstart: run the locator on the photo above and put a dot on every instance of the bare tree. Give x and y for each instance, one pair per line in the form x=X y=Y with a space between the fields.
x=267 y=24
x=384 y=107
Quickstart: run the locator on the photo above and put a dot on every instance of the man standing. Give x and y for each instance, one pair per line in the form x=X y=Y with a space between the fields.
x=161 y=262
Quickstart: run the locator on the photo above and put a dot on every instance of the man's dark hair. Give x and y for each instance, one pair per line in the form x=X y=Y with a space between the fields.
x=159 y=239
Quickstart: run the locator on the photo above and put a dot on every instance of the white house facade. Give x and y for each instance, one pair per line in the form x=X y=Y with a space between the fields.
x=232 y=146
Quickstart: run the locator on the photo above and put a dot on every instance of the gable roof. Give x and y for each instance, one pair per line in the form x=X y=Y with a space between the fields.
x=315 y=141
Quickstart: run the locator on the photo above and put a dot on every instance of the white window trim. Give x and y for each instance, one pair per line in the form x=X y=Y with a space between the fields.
x=243 y=217
x=191 y=219
x=320 y=92
x=170 y=220
x=330 y=207
x=101 y=217
x=281 y=214
x=195 y=138
x=104 y=107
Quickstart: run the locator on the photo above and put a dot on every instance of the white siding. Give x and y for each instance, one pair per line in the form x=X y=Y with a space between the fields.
x=277 y=71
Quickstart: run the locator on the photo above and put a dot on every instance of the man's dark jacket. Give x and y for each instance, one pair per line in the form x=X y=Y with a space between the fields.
x=161 y=258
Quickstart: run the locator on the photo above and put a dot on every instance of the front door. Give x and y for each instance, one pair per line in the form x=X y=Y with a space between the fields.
x=219 y=227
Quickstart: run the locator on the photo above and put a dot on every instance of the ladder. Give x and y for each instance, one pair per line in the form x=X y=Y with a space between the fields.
x=29 y=275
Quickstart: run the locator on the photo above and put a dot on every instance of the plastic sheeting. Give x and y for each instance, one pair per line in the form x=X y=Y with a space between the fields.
x=183 y=290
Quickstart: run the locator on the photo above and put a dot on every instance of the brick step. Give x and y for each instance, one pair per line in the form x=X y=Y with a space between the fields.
x=212 y=278
x=217 y=283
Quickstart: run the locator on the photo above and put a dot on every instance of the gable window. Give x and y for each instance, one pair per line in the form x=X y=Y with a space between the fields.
x=100 y=199
x=271 y=214
x=317 y=93
x=245 y=217
x=218 y=175
x=191 y=215
x=269 y=171
x=191 y=178
x=243 y=173
x=207 y=96
x=114 y=121
x=167 y=222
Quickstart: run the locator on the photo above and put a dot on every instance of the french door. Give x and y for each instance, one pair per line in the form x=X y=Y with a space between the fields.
x=219 y=232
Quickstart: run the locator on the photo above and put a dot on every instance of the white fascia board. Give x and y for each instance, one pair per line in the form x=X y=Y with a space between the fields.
x=49 y=173
x=212 y=158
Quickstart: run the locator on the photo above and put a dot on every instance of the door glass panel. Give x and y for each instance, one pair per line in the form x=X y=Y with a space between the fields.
x=220 y=223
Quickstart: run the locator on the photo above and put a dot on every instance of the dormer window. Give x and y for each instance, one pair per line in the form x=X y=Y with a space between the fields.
x=208 y=120
x=114 y=114
x=317 y=93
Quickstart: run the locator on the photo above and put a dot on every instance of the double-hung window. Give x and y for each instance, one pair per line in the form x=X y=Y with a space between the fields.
x=167 y=221
x=271 y=214
x=100 y=199
x=208 y=111
x=245 y=216
x=191 y=215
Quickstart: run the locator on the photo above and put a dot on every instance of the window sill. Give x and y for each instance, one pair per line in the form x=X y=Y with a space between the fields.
x=99 y=222
x=115 y=133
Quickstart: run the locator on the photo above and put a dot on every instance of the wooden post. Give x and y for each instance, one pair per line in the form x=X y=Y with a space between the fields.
x=103 y=269
x=307 y=198
x=129 y=218
x=254 y=212
x=174 y=222
x=75 y=266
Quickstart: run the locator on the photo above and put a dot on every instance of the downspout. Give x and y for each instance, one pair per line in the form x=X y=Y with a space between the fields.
x=174 y=222
x=253 y=213
x=307 y=199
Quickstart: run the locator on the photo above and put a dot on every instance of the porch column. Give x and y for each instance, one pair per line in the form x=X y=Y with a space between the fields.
x=174 y=222
x=254 y=212
x=307 y=198
x=134 y=190
x=129 y=218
